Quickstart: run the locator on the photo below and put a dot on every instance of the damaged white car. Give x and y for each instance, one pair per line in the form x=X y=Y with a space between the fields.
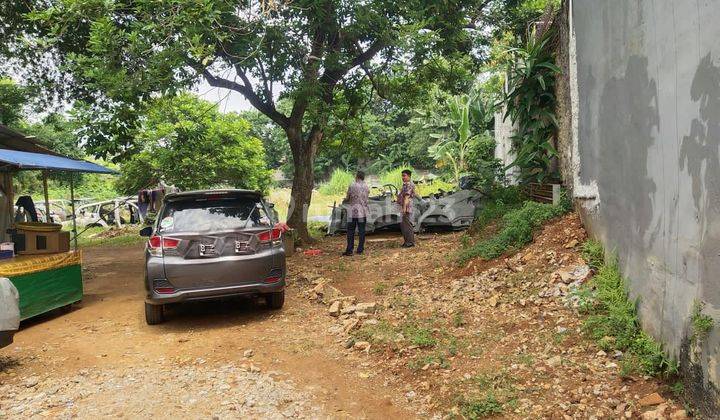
x=9 y=311
x=444 y=210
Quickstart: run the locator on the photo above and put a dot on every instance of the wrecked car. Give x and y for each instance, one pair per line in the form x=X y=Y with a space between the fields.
x=450 y=210
x=384 y=212
x=9 y=311
x=116 y=212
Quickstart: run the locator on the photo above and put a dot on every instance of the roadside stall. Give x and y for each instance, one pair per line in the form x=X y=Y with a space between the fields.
x=38 y=257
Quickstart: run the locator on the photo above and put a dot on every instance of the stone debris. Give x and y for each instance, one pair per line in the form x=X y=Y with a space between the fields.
x=334 y=309
x=651 y=399
x=225 y=391
x=444 y=333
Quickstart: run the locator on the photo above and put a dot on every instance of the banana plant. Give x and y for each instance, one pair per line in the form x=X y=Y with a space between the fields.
x=530 y=102
x=453 y=132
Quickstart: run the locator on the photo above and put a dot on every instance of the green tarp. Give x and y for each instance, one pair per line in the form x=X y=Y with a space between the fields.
x=46 y=290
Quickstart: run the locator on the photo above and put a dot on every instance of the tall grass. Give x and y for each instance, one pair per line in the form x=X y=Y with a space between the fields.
x=394 y=176
x=320 y=204
x=338 y=183
x=613 y=319
x=517 y=227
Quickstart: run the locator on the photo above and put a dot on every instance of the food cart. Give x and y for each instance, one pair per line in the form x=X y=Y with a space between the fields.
x=51 y=277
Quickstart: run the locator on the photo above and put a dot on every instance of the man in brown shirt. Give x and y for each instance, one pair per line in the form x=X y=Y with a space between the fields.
x=356 y=205
x=405 y=200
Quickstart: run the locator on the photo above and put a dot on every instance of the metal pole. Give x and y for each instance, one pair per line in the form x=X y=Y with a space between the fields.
x=72 y=206
x=47 y=200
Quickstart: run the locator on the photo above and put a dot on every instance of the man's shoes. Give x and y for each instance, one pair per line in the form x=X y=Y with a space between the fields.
x=347 y=254
x=407 y=245
x=359 y=252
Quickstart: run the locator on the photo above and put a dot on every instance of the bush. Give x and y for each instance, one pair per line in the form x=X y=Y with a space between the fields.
x=517 y=230
x=593 y=253
x=702 y=324
x=613 y=322
x=338 y=183
x=501 y=201
x=476 y=409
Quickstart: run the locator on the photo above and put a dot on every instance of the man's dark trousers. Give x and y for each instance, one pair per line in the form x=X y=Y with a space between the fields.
x=360 y=224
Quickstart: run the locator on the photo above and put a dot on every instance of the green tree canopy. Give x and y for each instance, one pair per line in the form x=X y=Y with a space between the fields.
x=12 y=102
x=317 y=54
x=188 y=143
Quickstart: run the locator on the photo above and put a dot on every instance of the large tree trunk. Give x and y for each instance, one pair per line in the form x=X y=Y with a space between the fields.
x=304 y=152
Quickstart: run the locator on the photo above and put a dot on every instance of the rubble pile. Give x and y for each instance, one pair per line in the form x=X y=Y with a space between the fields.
x=505 y=330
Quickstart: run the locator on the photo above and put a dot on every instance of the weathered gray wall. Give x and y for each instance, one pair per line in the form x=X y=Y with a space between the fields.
x=647 y=132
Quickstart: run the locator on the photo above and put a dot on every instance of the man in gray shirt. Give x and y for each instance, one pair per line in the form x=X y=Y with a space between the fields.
x=356 y=204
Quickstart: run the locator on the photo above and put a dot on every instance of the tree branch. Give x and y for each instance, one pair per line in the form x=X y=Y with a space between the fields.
x=309 y=74
x=331 y=76
x=245 y=89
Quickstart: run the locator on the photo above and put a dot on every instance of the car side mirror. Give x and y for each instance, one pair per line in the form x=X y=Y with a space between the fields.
x=146 y=231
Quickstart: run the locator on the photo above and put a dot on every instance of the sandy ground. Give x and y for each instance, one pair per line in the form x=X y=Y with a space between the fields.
x=164 y=369
x=433 y=340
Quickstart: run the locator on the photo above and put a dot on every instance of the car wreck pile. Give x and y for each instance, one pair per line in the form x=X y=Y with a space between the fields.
x=449 y=210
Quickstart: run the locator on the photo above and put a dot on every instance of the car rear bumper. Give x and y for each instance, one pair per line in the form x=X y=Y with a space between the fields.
x=185 y=295
x=6 y=338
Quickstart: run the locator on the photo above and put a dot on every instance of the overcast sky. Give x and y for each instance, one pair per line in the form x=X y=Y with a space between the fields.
x=227 y=100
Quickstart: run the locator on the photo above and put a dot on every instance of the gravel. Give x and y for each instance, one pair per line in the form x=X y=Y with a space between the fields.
x=228 y=391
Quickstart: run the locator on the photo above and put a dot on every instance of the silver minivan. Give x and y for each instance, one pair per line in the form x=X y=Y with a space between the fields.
x=213 y=244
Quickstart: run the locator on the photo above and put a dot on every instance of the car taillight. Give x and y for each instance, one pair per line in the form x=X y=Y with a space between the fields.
x=274 y=276
x=157 y=243
x=163 y=287
x=272 y=235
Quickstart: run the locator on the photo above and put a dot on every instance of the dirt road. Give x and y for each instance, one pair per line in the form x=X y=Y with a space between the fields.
x=391 y=334
x=101 y=359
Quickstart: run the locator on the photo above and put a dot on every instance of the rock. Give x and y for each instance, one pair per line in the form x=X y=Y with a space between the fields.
x=571 y=244
x=679 y=415
x=554 y=361
x=350 y=325
x=565 y=277
x=493 y=301
x=347 y=310
x=254 y=369
x=410 y=395
x=601 y=354
x=334 y=309
x=31 y=381
x=349 y=343
x=361 y=345
x=657 y=414
x=362 y=315
x=651 y=399
x=327 y=293
x=369 y=307
x=248 y=353
x=560 y=330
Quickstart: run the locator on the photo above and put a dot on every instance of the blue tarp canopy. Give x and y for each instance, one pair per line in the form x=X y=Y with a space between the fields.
x=25 y=160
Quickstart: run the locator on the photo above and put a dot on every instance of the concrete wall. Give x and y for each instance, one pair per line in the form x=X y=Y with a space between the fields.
x=645 y=79
x=504 y=131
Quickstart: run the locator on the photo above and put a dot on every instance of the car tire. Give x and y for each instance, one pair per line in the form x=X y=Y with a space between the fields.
x=275 y=300
x=154 y=314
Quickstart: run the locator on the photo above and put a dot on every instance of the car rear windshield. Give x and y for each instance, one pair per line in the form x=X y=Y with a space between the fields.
x=217 y=214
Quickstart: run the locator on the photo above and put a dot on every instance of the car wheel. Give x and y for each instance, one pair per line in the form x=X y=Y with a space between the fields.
x=275 y=300
x=154 y=314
